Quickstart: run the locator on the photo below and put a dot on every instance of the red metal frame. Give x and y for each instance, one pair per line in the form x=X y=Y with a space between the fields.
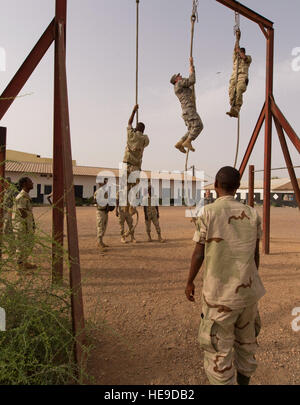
x=2 y=178
x=63 y=189
x=269 y=112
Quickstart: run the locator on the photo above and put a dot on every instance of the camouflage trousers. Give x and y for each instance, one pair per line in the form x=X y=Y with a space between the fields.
x=24 y=245
x=125 y=215
x=194 y=124
x=102 y=219
x=229 y=342
x=155 y=221
x=236 y=98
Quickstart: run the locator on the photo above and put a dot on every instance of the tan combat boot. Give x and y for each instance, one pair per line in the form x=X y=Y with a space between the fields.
x=149 y=237
x=123 y=239
x=160 y=239
x=188 y=144
x=132 y=240
x=179 y=146
x=233 y=113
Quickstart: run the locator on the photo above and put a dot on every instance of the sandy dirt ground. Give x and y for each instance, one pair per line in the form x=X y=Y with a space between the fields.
x=147 y=329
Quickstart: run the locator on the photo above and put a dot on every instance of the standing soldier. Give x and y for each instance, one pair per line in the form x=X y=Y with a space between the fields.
x=102 y=218
x=8 y=202
x=228 y=238
x=239 y=78
x=152 y=215
x=183 y=89
x=23 y=224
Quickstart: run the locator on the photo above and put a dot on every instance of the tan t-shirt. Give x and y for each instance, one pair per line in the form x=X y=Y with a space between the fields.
x=229 y=230
x=136 y=143
x=243 y=65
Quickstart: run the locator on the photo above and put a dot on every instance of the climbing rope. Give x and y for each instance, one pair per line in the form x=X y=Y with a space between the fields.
x=137 y=58
x=194 y=18
x=236 y=28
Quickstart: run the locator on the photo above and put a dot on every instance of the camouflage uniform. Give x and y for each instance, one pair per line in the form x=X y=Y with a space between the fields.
x=8 y=202
x=24 y=228
x=236 y=89
x=184 y=91
x=231 y=289
x=151 y=215
x=136 y=143
x=125 y=215
x=102 y=219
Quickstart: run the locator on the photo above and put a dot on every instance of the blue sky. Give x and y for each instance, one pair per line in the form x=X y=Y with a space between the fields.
x=101 y=78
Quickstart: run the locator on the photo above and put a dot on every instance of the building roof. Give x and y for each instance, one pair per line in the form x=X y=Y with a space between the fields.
x=46 y=168
x=276 y=185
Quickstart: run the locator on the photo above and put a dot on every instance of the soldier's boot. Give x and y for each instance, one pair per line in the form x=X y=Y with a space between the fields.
x=179 y=146
x=233 y=112
x=188 y=144
x=149 y=237
x=101 y=243
x=242 y=379
x=160 y=239
x=132 y=239
x=123 y=239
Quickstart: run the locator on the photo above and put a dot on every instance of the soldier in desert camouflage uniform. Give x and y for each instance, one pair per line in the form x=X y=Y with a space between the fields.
x=8 y=202
x=151 y=214
x=239 y=78
x=23 y=224
x=184 y=90
x=228 y=238
x=102 y=218
x=136 y=143
x=125 y=214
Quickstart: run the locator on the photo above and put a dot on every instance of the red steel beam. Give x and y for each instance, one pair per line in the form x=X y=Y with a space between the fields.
x=73 y=248
x=58 y=170
x=252 y=142
x=251 y=186
x=285 y=125
x=2 y=179
x=247 y=12
x=26 y=69
x=268 y=143
x=288 y=160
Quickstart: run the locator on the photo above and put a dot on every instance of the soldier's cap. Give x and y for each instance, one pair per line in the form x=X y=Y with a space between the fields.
x=173 y=78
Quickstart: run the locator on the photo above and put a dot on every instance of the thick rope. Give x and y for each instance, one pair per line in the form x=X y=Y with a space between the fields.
x=236 y=28
x=137 y=59
x=194 y=18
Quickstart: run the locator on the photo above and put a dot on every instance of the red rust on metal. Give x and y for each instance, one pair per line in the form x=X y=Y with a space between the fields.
x=2 y=178
x=252 y=142
x=288 y=160
x=251 y=186
x=26 y=69
x=73 y=249
x=285 y=125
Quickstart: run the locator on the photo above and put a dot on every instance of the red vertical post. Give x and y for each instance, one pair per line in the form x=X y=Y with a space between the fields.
x=73 y=247
x=58 y=170
x=268 y=142
x=251 y=186
x=2 y=177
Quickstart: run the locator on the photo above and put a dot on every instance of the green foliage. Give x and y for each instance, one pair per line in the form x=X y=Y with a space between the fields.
x=37 y=347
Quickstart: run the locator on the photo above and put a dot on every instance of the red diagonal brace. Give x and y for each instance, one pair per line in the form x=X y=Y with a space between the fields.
x=285 y=125
x=252 y=141
x=26 y=69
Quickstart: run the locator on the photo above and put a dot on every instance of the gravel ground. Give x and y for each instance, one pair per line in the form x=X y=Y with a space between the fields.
x=147 y=329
